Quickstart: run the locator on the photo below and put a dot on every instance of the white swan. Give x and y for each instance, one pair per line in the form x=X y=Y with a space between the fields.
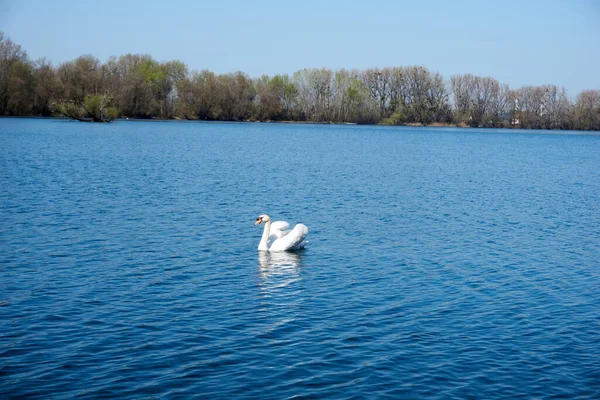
x=277 y=235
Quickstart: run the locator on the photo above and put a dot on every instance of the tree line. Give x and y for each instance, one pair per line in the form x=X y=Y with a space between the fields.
x=138 y=86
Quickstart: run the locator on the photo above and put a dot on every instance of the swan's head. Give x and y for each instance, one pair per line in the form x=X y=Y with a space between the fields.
x=262 y=218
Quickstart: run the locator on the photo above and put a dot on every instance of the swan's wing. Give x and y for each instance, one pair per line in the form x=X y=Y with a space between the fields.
x=280 y=226
x=292 y=240
x=278 y=230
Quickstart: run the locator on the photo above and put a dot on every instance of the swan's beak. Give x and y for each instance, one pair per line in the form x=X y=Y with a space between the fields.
x=258 y=221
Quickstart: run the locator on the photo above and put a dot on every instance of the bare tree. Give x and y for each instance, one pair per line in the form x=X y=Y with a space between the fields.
x=531 y=106
x=46 y=87
x=463 y=90
x=398 y=91
x=427 y=98
x=203 y=100
x=557 y=107
x=587 y=110
x=314 y=90
x=80 y=78
x=235 y=96
x=500 y=110
x=379 y=83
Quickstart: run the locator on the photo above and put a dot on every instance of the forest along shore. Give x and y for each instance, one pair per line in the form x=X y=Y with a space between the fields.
x=137 y=86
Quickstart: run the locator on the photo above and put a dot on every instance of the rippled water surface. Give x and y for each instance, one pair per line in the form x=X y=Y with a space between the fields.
x=443 y=263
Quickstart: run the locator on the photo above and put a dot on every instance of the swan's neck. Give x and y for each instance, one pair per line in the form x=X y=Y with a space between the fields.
x=264 y=241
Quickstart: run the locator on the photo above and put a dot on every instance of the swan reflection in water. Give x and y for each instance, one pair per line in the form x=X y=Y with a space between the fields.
x=280 y=289
x=280 y=267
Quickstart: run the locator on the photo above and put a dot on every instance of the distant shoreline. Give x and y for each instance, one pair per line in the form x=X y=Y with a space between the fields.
x=138 y=86
x=408 y=125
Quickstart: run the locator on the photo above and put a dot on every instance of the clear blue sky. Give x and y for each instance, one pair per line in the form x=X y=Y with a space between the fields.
x=517 y=42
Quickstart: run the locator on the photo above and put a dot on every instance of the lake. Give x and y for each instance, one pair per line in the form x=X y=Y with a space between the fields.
x=442 y=263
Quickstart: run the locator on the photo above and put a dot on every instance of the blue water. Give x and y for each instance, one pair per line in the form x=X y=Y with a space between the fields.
x=443 y=263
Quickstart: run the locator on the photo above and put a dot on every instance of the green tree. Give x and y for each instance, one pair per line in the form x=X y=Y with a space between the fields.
x=350 y=100
x=21 y=88
x=83 y=94
x=268 y=104
x=93 y=108
x=16 y=79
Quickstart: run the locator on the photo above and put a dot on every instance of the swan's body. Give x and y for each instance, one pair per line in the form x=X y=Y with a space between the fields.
x=277 y=235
